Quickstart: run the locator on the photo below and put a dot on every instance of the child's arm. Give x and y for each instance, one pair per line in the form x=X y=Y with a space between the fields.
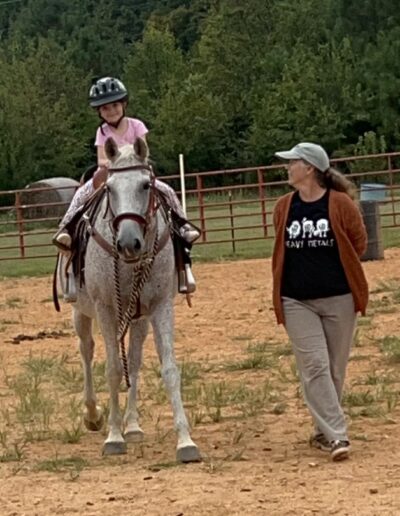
x=102 y=159
x=100 y=176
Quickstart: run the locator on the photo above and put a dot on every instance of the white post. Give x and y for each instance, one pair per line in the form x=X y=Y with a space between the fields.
x=183 y=186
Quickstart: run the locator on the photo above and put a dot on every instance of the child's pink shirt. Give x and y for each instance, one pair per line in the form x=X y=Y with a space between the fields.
x=136 y=129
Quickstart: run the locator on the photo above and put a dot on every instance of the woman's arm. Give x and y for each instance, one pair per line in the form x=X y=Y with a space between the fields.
x=355 y=227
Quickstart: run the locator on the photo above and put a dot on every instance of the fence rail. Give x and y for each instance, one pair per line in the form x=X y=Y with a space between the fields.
x=231 y=207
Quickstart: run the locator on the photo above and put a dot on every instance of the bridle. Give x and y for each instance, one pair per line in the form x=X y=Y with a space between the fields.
x=152 y=206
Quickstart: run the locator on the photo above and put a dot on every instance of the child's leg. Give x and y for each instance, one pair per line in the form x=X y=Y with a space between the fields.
x=62 y=239
x=81 y=196
x=171 y=196
x=186 y=281
x=188 y=232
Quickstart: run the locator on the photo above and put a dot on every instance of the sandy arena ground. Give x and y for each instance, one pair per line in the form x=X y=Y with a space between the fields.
x=253 y=464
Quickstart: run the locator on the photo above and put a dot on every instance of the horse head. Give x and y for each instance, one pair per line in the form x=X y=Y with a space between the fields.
x=131 y=198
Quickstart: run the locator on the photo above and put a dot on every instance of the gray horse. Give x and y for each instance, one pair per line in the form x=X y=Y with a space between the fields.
x=130 y=227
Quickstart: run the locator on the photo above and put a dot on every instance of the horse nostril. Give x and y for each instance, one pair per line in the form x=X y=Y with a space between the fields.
x=119 y=247
x=137 y=245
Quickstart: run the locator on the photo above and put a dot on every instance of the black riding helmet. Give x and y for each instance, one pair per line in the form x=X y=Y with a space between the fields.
x=106 y=90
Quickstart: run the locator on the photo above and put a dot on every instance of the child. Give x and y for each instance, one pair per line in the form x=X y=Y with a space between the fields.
x=110 y=97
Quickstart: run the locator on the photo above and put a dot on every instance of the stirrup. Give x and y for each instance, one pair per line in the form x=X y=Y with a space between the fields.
x=63 y=241
x=189 y=233
x=70 y=295
x=187 y=283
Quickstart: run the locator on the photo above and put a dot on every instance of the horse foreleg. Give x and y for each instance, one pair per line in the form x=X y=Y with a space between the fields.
x=162 y=321
x=115 y=443
x=138 y=333
x=93 y=415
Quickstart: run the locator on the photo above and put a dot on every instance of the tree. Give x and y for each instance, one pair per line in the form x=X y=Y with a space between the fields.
x=41 y=106
x=318 y=99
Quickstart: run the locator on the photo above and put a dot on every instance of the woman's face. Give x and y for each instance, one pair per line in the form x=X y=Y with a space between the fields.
x=298 y=172
x=112 y=113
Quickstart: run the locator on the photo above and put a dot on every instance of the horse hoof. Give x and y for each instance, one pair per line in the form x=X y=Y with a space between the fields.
x=134 y=436
x=94 y=426
x=117 y=448
x=188 y=454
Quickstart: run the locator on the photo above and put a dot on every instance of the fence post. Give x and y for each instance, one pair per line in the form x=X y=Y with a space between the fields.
x=20 y=223
x=232 y=219
x=200 y=197
x=392 y=193
x=262 y=201
x=183 y=184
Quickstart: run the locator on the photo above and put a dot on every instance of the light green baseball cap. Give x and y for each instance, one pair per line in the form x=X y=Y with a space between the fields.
x=310 y=152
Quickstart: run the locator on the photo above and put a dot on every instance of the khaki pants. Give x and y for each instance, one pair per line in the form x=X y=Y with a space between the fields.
x=321 y=332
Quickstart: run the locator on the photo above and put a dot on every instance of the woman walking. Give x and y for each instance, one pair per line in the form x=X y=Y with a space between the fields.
x=319 y=284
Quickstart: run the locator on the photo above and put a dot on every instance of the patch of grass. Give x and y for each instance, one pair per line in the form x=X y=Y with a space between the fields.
x=254 y=361
x=70 y=378
x=163 y=465
x=190 y=371
x=380 y=303
x=8 y=321
x=100 y=377
x=57 y=465
x=14 y=302
x=39 y=366
x=14 y=453
x=390 y=346
x=385 y=286
x=358 y=399
x=283 y=350
x=378 y=378
x=72 y=433
x=364 y=321
x=11 y=452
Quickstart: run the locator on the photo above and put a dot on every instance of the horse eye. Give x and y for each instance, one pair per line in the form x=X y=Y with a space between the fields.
x=146 y=185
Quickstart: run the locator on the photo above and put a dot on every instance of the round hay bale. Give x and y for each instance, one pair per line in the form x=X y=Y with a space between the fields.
x=38 y=195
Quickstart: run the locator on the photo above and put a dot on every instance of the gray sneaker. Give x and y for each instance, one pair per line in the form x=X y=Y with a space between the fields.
x=320 y=442
x=340 y=450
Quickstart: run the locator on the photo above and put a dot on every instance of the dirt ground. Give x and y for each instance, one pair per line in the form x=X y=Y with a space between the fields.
x=253 y=464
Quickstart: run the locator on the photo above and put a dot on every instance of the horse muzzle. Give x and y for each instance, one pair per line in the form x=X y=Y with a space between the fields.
x=129 y=241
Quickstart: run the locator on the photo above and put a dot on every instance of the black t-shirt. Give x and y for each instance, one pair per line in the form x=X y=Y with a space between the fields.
x=312 y=267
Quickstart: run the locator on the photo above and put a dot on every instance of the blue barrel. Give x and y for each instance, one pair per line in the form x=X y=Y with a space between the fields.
x=372 y=192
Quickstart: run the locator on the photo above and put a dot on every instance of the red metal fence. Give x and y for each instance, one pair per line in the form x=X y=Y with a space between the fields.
x=230 y=206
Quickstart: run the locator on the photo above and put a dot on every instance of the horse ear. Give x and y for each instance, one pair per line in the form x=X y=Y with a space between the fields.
x=111 y=149
x=141 y=149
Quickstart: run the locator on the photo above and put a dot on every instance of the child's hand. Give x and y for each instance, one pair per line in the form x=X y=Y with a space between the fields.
x=100 y=176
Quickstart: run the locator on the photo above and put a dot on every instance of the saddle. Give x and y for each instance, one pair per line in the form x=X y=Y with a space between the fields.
x=77 y=228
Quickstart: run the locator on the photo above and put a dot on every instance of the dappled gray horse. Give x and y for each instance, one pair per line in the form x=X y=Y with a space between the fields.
x=131 y=228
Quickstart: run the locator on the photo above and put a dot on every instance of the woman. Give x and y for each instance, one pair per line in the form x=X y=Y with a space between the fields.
x=109 y=97
x=319 y=284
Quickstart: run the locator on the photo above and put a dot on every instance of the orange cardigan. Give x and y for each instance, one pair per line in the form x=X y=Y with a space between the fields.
x=351 y=237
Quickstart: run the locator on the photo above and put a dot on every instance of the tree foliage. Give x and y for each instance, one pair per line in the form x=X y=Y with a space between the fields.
x=224 y=82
